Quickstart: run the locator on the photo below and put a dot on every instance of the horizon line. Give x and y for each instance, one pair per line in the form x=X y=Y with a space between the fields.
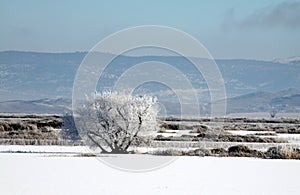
x=73 y=52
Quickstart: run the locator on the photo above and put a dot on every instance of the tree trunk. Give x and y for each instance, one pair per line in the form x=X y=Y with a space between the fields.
x=119 y=151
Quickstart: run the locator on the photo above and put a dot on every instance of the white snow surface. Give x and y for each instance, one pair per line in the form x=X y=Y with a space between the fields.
x=44 y=149
x=41 y=174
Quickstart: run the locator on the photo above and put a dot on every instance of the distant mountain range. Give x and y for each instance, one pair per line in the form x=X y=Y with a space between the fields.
x=42 y=82
x=291 y=60
x=286 y=101
x=42 y=106
x=282 y=101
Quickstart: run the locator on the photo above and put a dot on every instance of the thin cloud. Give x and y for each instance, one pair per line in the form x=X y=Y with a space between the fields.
x=285 y=14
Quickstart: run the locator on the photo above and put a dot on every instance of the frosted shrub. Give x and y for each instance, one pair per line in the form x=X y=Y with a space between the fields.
x=114 y=121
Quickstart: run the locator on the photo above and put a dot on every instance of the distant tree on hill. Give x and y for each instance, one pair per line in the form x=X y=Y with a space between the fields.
x=68 y=130
x=273 y=113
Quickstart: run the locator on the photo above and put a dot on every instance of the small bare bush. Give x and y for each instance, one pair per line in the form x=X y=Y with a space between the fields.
x=283 y=152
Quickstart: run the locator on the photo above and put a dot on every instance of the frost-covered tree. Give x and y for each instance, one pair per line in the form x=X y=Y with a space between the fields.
x=114 y=121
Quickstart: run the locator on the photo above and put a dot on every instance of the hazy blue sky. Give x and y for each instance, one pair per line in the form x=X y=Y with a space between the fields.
x=259 y=29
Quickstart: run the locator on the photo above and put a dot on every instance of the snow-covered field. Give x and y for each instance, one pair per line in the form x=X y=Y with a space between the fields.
x=255 y=115
x=64 y=170
x=44 y=149
x=36 y=173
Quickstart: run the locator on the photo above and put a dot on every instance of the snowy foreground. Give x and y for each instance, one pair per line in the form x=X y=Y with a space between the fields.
x=49 y=173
